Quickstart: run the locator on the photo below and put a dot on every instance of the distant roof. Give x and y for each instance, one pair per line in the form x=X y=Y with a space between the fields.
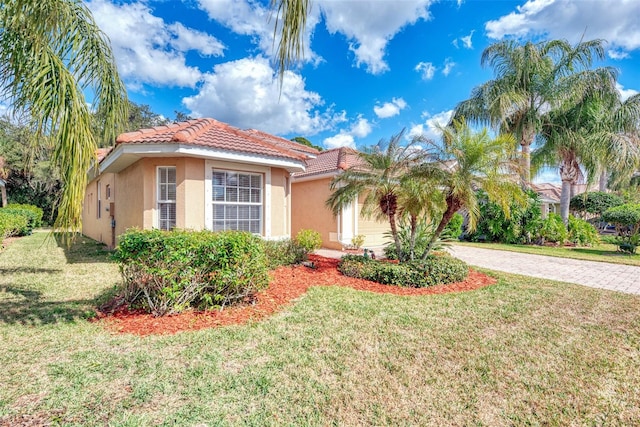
x=550 y=191
x=214 y=134
x=284 y=143
x=330 y=161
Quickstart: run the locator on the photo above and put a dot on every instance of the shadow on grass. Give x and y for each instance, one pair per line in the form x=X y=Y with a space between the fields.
x=27 y=308
x=30 y=270
x=81 y=249
x=600 y=252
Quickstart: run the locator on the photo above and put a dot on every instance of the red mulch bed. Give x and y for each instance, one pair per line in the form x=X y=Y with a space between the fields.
x=287 y=284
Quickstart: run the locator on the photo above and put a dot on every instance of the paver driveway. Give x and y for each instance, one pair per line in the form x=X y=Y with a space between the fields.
x=616 y=277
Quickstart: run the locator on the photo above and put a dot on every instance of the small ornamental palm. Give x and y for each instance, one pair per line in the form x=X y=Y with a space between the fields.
x=466 y=162
x=378 y=178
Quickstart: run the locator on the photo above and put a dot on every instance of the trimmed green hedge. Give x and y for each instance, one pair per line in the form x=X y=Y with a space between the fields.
x=435 y=270
x=283 y=252
x=12 y=224
x=32 y=216
x=168 y=272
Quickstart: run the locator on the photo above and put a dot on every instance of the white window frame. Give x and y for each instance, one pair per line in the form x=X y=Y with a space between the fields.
x=211 y=204
x=160 y=202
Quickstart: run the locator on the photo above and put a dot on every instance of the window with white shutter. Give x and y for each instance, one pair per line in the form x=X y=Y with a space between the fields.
x=166 y=197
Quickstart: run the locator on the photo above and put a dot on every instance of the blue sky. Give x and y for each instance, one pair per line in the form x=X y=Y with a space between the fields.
x=371 y=68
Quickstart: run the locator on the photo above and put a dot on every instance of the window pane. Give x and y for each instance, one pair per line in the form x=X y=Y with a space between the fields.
x=171 y=192
x=237 y=201
x=255 y=196
x=255 y=212
x=218 y=225
x=218 y=212
x=218 y=178
x=244 y=212
x=244 y=195
x=256 y=181
x=255 y=227
x=232 y=194
x=232 y=179
x=244 y=180
x=218 y=194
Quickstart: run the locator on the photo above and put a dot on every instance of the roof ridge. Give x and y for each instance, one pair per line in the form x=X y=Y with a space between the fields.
x=192 y=132
x=130 y=136
x=293 y=144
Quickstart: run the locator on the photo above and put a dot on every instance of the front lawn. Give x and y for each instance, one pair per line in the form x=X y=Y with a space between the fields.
x=524 y=351
x=603 y=252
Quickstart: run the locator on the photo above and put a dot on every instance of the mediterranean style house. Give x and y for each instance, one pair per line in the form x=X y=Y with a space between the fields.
x=310 y=190
x=198 y=174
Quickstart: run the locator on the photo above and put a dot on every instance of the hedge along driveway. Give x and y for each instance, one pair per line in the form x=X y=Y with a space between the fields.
x=525 y=351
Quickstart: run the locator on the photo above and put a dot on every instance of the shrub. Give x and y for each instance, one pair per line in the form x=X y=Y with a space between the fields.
x=522 y=226
x=357 y=241
x=594 y=202
x=167 y=272
x=423 y=234
x=434 y=270
x=32 y=215
x=309 y=240
x=581 y=232
x=12 y=224
x=453 y=230
x=553 y=229
x=627 y=220
x=283 y=252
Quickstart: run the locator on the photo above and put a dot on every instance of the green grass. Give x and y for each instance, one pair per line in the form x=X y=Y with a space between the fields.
x=522 y=352
x=602 y=253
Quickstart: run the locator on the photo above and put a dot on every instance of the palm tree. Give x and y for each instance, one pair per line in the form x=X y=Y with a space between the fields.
x=599 y=132
x=379 y=178
x=291 y=19
x=529 y=80
x=51 y=54
x=466 y=162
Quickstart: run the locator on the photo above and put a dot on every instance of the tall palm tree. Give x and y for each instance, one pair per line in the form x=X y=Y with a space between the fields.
x=465 y=162
x=379 y=178
x=291 y=19
x=51 y=54
x=599 y=132
x=530 y=79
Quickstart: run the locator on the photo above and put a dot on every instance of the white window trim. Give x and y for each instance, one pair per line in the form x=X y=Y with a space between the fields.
x=156 y=209
x=265 y=222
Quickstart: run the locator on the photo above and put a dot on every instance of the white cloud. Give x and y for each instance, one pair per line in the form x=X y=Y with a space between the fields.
x=246 y=94
x=390 y=109
x=448 y=66
x=547 y=176
x=250 y=18
x=429 y=129
x=466 y=40
x=426 y=70
x=617 y=54
x=147 y=49
x=613 y=20
x=361 y=128
x=369 y=26
x=625 y=93
x=342 y=139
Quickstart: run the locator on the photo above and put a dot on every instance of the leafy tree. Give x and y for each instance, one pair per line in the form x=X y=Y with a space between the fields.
x=467 y=161
x=595 y=202
x=305 y=141
x=530 y=79
x=379 y=179
x=51 y=54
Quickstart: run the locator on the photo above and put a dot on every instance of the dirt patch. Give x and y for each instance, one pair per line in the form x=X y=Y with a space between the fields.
x=286 y=285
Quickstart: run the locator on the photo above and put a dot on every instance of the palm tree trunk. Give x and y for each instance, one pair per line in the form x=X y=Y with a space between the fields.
x=452 y=208
x=396 y=239
x=565 y=198
x=412 y=239
x=602 y=185
x=526 y=161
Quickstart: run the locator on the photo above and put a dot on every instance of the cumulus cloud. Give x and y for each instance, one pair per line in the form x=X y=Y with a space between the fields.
x=617 y=54
x=343 y=139
x=250 y=18
x=390 y=109
x=147 y=49
x=369 y=27
x=246 y=94
x=448 y=66
x=613 y=20
x=426 y=69
x=625 y=93
x=361 y=128
x=429 y=129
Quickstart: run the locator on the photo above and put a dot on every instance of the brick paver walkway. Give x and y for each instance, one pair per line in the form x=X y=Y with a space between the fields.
x=616 y=277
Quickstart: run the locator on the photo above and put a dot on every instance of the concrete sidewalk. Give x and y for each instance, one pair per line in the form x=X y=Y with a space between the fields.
x=603 y=275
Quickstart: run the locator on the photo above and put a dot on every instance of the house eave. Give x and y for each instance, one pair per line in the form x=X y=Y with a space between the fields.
x=316 y=176
x=124 y=155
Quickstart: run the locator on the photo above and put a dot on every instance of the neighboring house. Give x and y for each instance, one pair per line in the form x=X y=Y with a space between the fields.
x=199 y=174
x=309 y=192
x=549 y=198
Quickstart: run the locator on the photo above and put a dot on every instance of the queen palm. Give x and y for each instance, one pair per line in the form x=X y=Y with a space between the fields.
x=378 y=178
x=530 y=79
x=465 y=162
x=599 y=132
x=51 y=54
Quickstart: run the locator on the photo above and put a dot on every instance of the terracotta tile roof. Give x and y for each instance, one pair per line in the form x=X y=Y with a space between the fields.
x=213 y=134
x=548 y=190
x=329 y=161
x=284 y=143
x=101 y=153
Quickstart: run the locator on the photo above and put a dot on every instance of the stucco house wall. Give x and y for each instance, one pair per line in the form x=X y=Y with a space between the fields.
x=130 y=172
